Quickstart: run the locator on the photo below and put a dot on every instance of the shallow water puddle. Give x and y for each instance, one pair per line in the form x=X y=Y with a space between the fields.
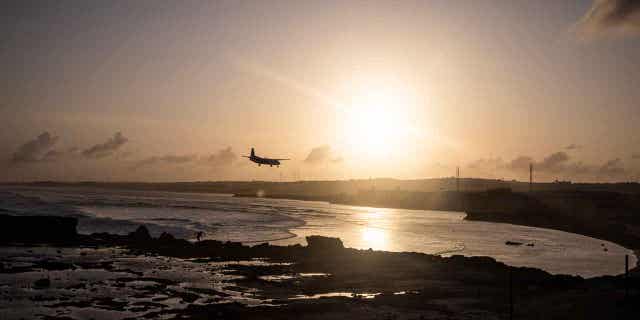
x=112 y=284
x=336 y=294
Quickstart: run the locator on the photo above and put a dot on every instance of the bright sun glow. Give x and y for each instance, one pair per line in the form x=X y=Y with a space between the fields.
x=374 y=238
x=377 y=120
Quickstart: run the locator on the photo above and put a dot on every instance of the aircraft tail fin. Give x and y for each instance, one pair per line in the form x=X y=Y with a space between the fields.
x=253 y=153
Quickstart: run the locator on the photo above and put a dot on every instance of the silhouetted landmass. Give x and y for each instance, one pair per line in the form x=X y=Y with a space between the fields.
x=332 y=187
x=51 y=229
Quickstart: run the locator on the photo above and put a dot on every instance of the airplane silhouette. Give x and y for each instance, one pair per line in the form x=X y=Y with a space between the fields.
x=260 y=161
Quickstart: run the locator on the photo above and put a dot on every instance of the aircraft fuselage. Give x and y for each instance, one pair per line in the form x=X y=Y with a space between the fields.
x=265 y=161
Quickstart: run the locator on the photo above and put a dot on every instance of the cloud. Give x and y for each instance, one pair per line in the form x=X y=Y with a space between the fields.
x=558 y=164
x=318 y=155
x=168 y=159
x=609 y=17
x=520 y=163
x=35 y=150
x=487 y=164
x=612 y=169
x=124 y=154
x=223 y=157
x=107 y=148
x=573 y=146
x=553 y=163
x=578 y=169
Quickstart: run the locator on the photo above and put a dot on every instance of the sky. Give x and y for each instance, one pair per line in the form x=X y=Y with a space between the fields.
x=180 y=90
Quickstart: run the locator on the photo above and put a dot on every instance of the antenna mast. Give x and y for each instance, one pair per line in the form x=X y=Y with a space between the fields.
x=530 y=177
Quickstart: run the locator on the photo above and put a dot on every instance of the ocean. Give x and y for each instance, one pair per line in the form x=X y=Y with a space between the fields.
x=286 y=222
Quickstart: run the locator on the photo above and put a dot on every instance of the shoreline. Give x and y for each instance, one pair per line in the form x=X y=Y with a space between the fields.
x=545 y=221
x=322 y=279
x=552 y=209
x=496 y=206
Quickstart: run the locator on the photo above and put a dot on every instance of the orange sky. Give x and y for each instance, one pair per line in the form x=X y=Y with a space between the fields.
x=162 y=91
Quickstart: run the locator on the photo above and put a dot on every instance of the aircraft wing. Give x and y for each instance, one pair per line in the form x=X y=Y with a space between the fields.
x=280 y=159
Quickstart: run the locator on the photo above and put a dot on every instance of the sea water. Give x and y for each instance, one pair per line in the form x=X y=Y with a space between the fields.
x=284 y=222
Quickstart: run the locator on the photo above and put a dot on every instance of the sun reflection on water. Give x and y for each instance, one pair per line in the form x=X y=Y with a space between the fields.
x=374 y=238
x=374 y=214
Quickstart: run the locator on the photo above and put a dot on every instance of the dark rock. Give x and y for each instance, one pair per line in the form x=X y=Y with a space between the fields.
x=166 y=237
x=75 y=304
x=55 y=265
x=324 y=243
x=147 y=304
x=42 y=283
x=187 y=297
x=77 y=286
x=109 y=303
x=207 y=291
x=140 y=235
x=37 y=229
x=261 y=246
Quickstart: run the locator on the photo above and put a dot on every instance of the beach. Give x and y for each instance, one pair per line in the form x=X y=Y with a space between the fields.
x=51 y=270
x=104 y=276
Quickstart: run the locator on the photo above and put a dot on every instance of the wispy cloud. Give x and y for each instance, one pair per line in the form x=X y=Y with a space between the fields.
x=107 y=148
x=611 y=17
x=553 y=163
x=487 y=164
x=573 y=146
x=166 y=159
x=556 y=164
x=37 y=149
x=322 y=155
x=56 y=155
x=612 y=168
x=223 y=157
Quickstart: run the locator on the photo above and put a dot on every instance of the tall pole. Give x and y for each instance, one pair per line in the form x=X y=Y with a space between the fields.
x=530 y=177
x=626 y=276
x=457 y=179
x=510 y=294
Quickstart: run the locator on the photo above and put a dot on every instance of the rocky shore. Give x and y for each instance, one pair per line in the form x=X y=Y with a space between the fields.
x=322 y=280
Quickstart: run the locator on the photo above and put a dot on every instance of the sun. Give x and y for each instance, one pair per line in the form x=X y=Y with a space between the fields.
x=377 y=120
